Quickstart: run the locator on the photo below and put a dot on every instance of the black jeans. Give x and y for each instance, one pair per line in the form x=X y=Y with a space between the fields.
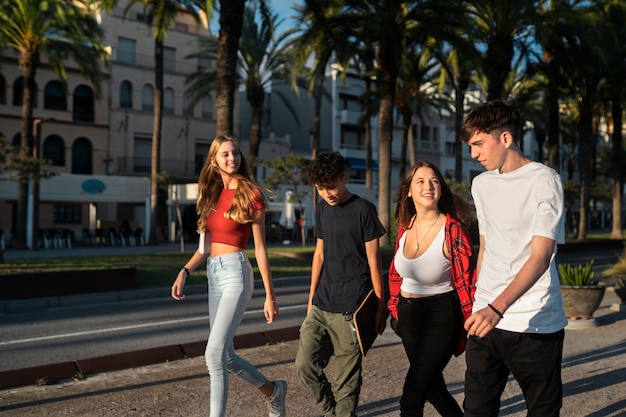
x=533 y=359
x=430 y=328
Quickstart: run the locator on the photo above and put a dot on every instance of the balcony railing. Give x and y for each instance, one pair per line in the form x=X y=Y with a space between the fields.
x=138 y=166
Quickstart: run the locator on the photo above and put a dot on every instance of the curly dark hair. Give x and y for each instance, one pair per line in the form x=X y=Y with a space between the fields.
x=327 y=169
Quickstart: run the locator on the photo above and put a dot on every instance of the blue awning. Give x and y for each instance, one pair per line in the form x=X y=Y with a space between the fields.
x=359 y=164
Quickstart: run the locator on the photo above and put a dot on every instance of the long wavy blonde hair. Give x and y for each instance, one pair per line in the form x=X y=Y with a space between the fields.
x=210 y=185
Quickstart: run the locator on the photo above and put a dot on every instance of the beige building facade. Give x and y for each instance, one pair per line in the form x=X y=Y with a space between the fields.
x=98 y=138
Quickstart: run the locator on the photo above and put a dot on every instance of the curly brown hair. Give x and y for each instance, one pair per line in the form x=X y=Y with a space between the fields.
x=327 y=168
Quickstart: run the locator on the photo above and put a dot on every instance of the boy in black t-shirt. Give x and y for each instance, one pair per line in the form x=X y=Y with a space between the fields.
x=346 y=265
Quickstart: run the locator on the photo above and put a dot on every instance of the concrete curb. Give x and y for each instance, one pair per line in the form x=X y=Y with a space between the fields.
x=52 y=373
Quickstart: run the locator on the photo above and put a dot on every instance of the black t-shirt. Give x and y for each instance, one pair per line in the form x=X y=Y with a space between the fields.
x=345 y=277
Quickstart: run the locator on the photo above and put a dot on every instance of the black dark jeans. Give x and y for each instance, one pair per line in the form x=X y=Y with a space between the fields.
x=533 y=359
x=430 y=328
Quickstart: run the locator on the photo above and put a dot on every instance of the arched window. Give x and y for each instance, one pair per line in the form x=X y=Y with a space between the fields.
x=207 y=107
x=147 y=98
x=54 y=96
x=83 y=104
x=126 y=95
x=187 y=109
x=82 y=157
x=54 y=150
x=168 y=101
x=3 y=90
x=18 y=92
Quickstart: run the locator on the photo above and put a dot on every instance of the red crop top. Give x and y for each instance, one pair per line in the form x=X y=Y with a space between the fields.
x=223 y=230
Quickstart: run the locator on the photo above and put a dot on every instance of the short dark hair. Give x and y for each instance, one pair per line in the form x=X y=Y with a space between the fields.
x=327 y=168
x=492 y=117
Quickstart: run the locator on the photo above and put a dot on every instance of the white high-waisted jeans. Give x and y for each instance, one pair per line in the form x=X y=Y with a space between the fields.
x=231 y=283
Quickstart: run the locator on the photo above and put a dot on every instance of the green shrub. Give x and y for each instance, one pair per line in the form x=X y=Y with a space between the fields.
x=576 y=275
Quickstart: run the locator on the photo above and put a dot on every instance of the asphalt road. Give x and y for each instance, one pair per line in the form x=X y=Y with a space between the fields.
x=87 y=330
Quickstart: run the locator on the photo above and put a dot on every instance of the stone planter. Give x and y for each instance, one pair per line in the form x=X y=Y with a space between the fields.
x=580 y=302
x=619 y=285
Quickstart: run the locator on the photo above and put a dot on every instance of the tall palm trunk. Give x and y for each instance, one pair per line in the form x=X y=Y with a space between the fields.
x=385 y=135
x=28 y=62
x=318 y=90
x=406 y=132
x=585 y=133
x=231 y=22
x=367 y=126
x=552 y=101
x=461 y=82
x=498 y=65
x=256 y=97
x=618 y=149
x=156 y=139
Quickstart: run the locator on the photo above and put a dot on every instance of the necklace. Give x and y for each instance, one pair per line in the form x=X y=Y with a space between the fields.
x=419 y=242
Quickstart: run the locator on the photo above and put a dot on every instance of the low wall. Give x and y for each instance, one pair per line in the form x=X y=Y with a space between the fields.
x=48 y=284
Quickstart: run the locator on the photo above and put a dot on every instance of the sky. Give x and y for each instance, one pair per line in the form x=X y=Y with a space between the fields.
x=283 y=8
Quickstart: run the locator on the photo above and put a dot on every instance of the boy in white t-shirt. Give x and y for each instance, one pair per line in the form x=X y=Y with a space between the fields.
x=517 y=320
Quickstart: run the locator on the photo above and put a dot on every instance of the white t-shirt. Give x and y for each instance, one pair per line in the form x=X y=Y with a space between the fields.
x=511 y=208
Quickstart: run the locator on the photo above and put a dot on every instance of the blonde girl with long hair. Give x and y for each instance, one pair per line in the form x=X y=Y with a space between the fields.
x=230 y=207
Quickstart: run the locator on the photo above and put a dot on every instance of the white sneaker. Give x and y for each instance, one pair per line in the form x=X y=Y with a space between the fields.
x=276 y=403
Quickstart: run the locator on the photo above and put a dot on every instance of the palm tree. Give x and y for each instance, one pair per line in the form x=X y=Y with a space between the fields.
x=386 y=23
x=503 y=26
x=54 y=29
x=318 y=39
x=161 y=15
x=231 y=23
x=586 y=69
x=459 y=62
x=261 y=62
x=615 y=13
x=393 y=26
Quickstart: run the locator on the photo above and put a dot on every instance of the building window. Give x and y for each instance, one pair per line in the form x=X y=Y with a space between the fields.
x=202 y=149
x=207 y=107
x=142 y=151
x=126 y=51
x=181 y=27
x=82 y=157
x=3 y=90
x=352 y=137
x=126 y=95
x=54 y=150
x=424 y=133
x=16 y=142
x=147 y=98
x=54 y=96
x=450 y=148
x=169 y=59
x=205 y=63
x=67 y=213
x=350 y=102
x=168 y=101
x=187 y=109
x=83 y=104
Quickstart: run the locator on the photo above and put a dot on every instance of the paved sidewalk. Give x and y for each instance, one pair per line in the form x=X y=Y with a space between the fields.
x=594 y=377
